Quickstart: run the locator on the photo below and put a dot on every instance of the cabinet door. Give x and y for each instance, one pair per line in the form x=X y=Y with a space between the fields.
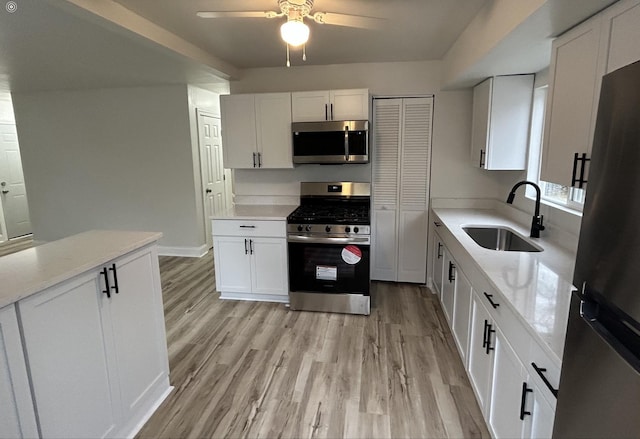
x=269 y=266
x=349 y=104
x=310 y=106
x=438 y=265
x=480 y=122
x=273 y=130
x=232 y=264
x=542 y=416
x=622 y=24
x=137 y=321
x=447 y=295
x=509 y=379
x=412 y=246
x=17 y=418
x=461 y=314
x=239 y=141
x=574 y=91
x=70 y=359
x=385 y=245
x=480 y=362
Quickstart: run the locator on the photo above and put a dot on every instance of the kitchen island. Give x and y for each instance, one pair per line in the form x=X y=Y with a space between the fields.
x=508 y=313
x=82 y=317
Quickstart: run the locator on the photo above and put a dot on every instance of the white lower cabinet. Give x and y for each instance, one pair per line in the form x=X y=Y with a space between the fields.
x=447 y=295
x=249 y=266
x=17 y=418
x=481 y=353
x=509 y=394
x=98 y=362
x=461 y=316
x=513 y=378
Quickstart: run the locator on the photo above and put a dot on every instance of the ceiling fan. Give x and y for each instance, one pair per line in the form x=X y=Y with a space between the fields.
x=294 y=31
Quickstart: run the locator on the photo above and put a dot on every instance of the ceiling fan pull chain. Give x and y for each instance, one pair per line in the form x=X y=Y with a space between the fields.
x=288 y=63
x=304 y=52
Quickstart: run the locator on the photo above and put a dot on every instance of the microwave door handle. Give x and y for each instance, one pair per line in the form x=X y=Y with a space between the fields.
x=346 y=143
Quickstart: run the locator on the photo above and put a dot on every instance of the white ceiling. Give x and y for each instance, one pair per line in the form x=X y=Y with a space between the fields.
x=67 y=44
x=412 y=30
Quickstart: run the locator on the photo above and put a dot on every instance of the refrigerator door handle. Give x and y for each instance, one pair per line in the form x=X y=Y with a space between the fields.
x=618 y=330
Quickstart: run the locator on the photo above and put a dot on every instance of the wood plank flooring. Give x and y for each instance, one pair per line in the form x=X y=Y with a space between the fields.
x=251 y=369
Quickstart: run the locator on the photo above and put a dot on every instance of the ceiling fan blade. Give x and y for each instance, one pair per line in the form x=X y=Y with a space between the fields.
x=237 y=14
x=348 y=20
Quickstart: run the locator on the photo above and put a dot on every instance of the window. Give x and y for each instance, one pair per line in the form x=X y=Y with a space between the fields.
x=552 y=193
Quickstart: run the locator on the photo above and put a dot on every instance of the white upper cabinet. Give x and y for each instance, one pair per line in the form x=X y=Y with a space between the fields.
x=256 y=130
x=574 y=83
x=500 y=127
x=316 y=106
x=622 y=24
x=579 y=59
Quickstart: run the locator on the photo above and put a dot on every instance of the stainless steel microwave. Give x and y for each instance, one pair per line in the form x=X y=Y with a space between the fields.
x=331 y=142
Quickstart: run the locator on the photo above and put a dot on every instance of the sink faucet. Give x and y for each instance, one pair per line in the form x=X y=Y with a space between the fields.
x=536 y=222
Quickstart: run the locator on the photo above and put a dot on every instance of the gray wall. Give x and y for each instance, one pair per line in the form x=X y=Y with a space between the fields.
x=110 y=159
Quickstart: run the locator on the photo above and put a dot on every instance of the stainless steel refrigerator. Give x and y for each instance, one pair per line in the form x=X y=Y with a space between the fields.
x=599 y=394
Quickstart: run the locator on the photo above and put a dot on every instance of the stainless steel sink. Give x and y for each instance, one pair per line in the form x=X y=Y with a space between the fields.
x=500 y=238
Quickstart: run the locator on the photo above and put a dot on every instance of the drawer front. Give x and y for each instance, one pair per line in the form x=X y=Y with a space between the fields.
x=547 y=379
x=513 y=329
x=267 y=229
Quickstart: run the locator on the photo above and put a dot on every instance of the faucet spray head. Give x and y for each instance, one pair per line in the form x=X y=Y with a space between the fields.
x=510 y=198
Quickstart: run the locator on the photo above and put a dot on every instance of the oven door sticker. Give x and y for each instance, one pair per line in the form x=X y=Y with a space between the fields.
x=326 y=272
x=351 y=254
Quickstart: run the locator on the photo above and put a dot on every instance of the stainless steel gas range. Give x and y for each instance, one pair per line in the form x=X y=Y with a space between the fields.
x=329 y=238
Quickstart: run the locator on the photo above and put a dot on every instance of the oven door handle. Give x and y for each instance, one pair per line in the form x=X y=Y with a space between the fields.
x=327 y=240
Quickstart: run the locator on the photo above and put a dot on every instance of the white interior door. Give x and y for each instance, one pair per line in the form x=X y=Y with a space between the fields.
x=13 y=195
x=213 y=175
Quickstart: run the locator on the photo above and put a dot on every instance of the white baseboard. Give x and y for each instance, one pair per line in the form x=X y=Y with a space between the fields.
x=188 y=252
x=252 y=297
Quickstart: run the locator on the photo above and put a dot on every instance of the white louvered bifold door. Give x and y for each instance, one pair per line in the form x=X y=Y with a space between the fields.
x=415 y=172
x=401 y=171
x=387 y=120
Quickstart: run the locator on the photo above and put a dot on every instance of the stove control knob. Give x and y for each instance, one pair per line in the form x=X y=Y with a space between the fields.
x=300 y=228
x=327 y=229
x=308 y=228
x=347 y=229
x=355 y=230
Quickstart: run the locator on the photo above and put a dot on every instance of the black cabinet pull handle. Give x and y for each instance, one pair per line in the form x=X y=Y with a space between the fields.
x=259 y=160
x=575 y=169
x=246 y=252
x=452 y=267
x=115 y=278
x=583 y=162
x=439 y=248
x=482 y=153
x=539 y=371
x=489 y=348
x=484 y=336
x=326 y=112
x=489 y=296
x=247 y=227
x=437 y=223
x=107 y=291
x=523 y=401
x=251 y=246
x=331 y=111
x=582 y=181
x=254 y=159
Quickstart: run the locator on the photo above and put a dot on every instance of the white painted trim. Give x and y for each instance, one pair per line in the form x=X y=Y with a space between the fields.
x=189 y=252
x=278 y=298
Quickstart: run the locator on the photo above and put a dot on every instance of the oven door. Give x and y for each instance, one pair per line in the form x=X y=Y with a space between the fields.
x=329 y=265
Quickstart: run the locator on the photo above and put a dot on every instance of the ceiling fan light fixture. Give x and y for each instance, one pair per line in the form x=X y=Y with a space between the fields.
x=294 y=32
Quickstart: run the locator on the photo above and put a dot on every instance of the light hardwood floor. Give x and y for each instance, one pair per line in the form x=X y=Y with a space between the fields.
x=251 y=369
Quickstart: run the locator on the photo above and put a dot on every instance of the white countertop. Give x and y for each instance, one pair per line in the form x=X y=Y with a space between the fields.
x=30 y=271
x=256 y=212
x=536 y=285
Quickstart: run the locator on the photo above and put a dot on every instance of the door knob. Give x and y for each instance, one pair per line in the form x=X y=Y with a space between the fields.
x=208 y=191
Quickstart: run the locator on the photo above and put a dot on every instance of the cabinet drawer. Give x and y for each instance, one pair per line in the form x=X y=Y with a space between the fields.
x=224 y=227
x=514 y=331
x=551 y=375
